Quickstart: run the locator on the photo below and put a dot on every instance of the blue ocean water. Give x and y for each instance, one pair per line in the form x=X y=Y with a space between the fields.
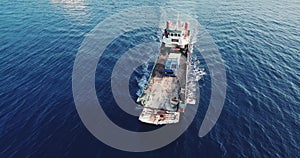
x=259 y=42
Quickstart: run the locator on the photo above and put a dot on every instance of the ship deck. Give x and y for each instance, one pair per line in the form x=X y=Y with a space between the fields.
x=157 y=106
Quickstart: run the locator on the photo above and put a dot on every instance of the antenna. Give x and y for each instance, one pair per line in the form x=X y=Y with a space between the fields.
x=177 y=21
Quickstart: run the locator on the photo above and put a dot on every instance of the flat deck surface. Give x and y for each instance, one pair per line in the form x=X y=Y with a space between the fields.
x=160 y=92
x=161 y=89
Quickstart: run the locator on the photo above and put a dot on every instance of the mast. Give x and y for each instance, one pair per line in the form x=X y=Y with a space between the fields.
x=177 y=21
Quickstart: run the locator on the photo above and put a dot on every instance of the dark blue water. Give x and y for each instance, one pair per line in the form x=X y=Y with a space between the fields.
x=259 y=42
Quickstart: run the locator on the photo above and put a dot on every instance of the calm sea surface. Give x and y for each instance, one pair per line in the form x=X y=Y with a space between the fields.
x=259 y=42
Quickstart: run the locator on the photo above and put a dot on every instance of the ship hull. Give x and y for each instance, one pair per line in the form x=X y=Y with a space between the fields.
x=164 y=97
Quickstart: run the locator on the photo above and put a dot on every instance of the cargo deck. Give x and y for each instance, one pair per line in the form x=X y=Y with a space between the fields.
x=157 y=97
x=164 y=97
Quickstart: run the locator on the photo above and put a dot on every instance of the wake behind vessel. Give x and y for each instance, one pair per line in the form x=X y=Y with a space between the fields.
x=164 y=97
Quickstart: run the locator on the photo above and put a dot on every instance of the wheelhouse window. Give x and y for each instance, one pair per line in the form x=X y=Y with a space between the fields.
x=175 y=40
